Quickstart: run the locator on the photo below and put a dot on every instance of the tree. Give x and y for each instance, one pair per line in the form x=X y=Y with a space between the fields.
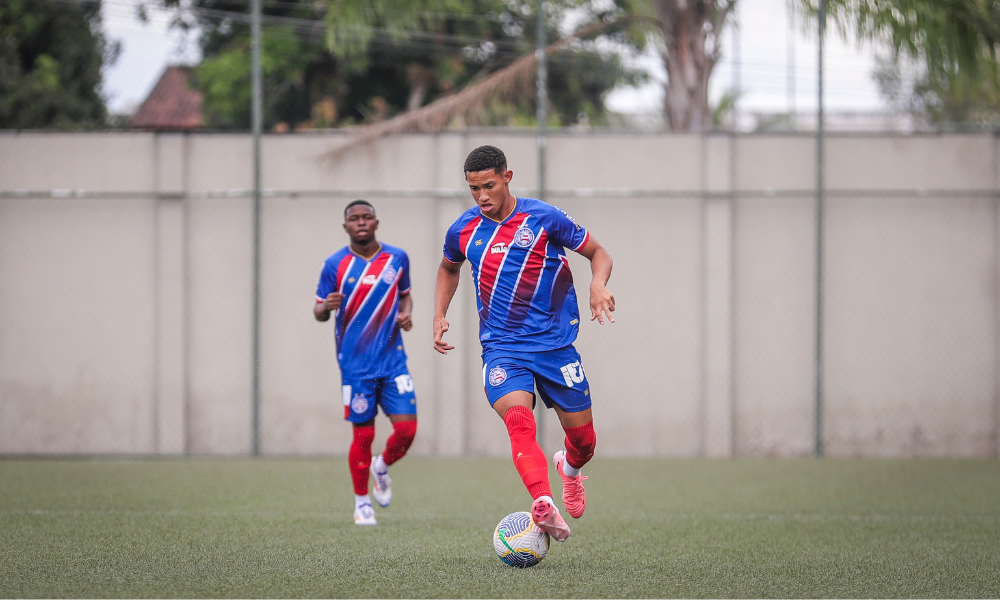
x=346 y=62
x=953 y=46
x=51 y=56
x=942 y=99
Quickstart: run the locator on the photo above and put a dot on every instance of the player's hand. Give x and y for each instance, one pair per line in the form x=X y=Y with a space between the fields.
x=404 y=321
x=333 y=300
x=441 y=326
x=601 y=301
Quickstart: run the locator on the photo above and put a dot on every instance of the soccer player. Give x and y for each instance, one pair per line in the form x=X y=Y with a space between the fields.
x=528 y=320
x=368 y=285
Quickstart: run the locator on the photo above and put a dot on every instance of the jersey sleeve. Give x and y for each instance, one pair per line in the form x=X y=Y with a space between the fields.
x=404 y=279
x=327 y=281
x=453 y=250
x=566 y=231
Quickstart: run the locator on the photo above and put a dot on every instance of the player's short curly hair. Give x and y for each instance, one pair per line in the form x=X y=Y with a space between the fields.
x=357 y=202
x=484 y=158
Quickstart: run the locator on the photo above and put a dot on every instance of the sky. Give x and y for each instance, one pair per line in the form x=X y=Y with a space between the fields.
x=764 y=43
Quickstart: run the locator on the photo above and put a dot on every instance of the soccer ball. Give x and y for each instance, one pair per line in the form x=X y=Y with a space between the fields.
x=519 y=542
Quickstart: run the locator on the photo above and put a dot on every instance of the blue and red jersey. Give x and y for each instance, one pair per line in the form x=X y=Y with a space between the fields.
x=524 y=288
x=368 y=341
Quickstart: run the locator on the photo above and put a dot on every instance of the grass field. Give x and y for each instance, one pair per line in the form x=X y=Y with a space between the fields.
x=653 y=528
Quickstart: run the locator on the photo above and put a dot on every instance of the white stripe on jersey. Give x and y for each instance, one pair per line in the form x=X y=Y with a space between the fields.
x=471 y=237
x=382 y=302
x=371 y=290
x=527 y=259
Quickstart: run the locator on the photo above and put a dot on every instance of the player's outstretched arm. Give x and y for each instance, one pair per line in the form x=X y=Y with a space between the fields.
x=601 y=300
x=444 y=290
x=322 y=310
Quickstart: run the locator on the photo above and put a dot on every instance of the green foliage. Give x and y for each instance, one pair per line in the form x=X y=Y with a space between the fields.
x=939 y=99
x=51 y=56
x=225 y=78
x=956 y=41
x=345 y=62
x=948 y=34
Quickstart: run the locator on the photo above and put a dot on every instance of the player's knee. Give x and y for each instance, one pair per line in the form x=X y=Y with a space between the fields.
x=582 y=440
x=406 y=430
x=520 y=422
x=363 y=436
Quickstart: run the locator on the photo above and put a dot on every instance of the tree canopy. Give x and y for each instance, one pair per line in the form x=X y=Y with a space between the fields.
x=348 y=62
x=51 y=57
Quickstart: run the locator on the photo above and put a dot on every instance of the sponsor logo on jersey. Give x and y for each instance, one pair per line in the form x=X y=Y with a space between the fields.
x=524 y=236
x=369 y=280
x=572 y=373
x=498 y=248
x=497 y=376
x=389 y=274
x=359 y=403
x=572 y=220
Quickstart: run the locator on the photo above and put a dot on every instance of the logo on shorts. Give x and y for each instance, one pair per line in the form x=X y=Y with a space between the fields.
x=389 y=274
x=359 y=403
x=524 y=236
x=572 y=373
x=497 y=376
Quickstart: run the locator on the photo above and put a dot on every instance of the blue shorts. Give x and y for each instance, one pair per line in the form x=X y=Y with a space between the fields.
x=558 y=375
x=394 y=394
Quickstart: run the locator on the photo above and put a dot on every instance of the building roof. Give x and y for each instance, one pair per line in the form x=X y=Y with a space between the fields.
x=172 y=104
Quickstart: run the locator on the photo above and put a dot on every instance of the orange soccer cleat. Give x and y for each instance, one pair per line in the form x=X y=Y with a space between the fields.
x=545 y=514
x=574 y=496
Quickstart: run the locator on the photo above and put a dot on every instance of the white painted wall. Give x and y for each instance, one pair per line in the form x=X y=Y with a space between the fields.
x=126 y=282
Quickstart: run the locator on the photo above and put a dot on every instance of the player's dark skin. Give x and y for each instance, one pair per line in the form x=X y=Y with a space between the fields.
x=491 y=191
x=360 y=224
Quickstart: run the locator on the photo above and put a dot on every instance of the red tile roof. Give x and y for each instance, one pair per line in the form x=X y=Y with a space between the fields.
x=172 y=104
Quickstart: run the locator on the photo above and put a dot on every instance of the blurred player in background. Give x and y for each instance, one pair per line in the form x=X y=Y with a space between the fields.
x=528 y=320
x=368 y=285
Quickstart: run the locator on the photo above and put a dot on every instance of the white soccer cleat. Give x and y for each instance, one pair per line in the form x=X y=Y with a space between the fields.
x=381 y=486
x=547 y=517
x=364 y=515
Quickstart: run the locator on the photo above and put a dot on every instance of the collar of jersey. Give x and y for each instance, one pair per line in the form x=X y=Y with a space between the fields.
x=503 y=220
x=370 y=258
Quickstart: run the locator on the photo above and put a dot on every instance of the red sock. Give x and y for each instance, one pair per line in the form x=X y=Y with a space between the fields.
x=399 y=442
x=359 y=457
x=580 y=443
x=529 y=460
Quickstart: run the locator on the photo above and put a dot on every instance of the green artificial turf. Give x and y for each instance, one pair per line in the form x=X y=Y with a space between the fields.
x=653 y=528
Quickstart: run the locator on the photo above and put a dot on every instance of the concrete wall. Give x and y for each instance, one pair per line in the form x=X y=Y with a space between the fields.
x=126 y=291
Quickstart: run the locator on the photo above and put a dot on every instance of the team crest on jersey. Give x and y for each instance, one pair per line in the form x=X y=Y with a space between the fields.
x=359 y=403
x=524 y=236
x=389 y=274
x=497 y=376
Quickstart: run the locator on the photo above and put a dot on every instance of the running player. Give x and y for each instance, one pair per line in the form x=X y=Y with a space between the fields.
x=528 y=320
x=368 y=285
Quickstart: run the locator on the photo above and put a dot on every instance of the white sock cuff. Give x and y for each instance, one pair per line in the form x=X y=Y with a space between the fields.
x=569 y=470
x=380 y=465
x=360 y=500
x=549 y=498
